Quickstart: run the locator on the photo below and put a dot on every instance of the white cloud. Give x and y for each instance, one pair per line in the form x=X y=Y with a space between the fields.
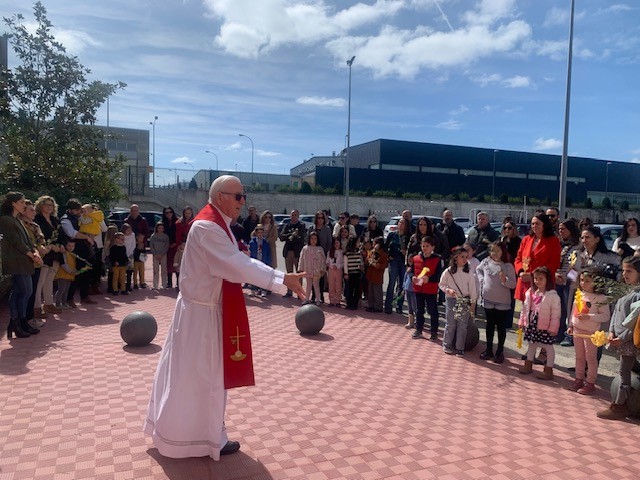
x=636 y=151
x=485 y=79
x=458 y=111
x=618 y=7
x=450 y=125
x=490 y=11
x=556 y=16
x=635 y=160
x=547 y=144
x=517 y=81
x=182 y=160
x=322 y=101
x=265 y=153
x=74 y=41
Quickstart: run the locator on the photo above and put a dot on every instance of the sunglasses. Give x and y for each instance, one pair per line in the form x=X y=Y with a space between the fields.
x=508 y=228
x=238 y=196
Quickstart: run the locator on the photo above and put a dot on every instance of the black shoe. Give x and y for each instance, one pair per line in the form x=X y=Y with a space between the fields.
x=388 y=312
x=434 y=336
x=230 y=447
x=126 y=292
x=370 y=309
x=399 y=310
x=28 y=328
x=135 y=287
x=498 y=358
x=416 y=334
x=486 y=355
x=287 y=295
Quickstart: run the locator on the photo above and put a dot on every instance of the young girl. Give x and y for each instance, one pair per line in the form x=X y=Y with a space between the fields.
x=497 y=277
x=590 y=311
x=377 y=260
x=159 y=246
x=260 y=250
x=540 y=316
x=425 y=286
x=335 y=265
x=65 y=276
x=119 y=261
x=352 y=269
x=621 y=337
x=473 y=262
x=108 y=241
x=313 y=262
x=139 y=259
x=459 y=286
x=130 y=246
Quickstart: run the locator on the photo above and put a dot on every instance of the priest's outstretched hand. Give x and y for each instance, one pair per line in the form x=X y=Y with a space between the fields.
x=293 y=281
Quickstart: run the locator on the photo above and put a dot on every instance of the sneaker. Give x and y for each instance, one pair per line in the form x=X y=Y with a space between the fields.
x=567 y=342
x=588 y=389
x=263 y=295
x=287 y=295
x=448 y=351
x=64 y=306
x=433 y=337
x=416 y=334
x=459 y=353
x=307 y=302
x=577 y=384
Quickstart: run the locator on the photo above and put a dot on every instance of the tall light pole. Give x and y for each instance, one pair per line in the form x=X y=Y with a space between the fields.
x=564 y=163
x=346 y=155
x=212 y=153
x=247 y=136
x=493 y=180
x=154 y=150
x=606 y=180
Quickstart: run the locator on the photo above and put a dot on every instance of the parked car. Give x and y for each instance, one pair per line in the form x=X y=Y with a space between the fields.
x=609 y=233
x=117 y=218
x=392 y=224
x=309 y=219
x=464 y=222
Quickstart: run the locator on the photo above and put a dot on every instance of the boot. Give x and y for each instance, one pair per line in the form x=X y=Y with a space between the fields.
x=526 y=368
x=587 y=389
x=616 y=411
x=577 y=384
x=28 y=328
x=547 y=374
x=411 y=321
x=51 y=309
x=15 y=327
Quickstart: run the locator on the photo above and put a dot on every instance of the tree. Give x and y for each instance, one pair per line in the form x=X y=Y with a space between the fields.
x=588 y=203
x=606 y=202
x=48 y=114
x=624 y=205
x=305 y=187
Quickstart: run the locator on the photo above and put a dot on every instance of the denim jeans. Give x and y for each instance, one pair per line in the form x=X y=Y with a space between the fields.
x=19 y=297
x=396 y=279
x=563 y=293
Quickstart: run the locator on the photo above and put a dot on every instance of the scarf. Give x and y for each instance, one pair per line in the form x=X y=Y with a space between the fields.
x=236 y=339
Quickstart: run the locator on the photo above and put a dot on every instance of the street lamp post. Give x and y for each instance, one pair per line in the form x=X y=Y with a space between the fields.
x=493 y=180
x=247 y=136
x=346 y=155
x=606 y=180
x=564 y=162
x=212 y=153
x=154 y=150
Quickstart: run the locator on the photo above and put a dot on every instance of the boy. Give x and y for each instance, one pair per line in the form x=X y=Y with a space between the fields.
x=119 y=260
x=426 y=271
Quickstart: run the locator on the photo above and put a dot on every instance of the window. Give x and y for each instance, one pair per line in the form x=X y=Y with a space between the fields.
x=535 y=176
x=576 y=179
x=476 y=173
x=511 y=175
x=450 y=171
x=402 y=168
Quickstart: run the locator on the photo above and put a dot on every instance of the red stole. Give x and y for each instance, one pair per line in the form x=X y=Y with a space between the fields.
x=236 y=339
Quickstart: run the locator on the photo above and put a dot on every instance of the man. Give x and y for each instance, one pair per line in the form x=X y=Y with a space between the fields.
x=344 y=221
x=554 y=215
x=138 y=223
x=481 y=235
x=84 y=248
x=407 y=215
x=354 y=220
x=293 y=235
x=250 y=223
x=453 y=231
x=208 y=348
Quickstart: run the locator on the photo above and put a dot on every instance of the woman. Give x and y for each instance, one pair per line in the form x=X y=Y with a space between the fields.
x=629 y=240
x=570 y=242
x=511 y=239
x=169 y=222
x=19 y=258
x=47 y=219
x=183 y=224
x=36 y=238
x=426 y=228
x=270 y=235
x=323 y=231
x=396 y=246
x=373 y=230
x=541 y=248
x=595 y=254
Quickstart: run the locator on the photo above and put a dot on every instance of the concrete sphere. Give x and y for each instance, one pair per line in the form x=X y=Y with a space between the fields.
x=309 y=319
x=138 y=329
x=473 y=337
x=633 y=401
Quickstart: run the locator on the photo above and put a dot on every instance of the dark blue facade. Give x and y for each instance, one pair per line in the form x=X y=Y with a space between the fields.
x=446 y=169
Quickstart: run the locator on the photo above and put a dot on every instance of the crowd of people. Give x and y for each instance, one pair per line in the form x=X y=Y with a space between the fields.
x=560 y=272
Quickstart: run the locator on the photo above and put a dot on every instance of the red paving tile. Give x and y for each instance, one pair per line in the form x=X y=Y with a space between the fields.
x=359 y=401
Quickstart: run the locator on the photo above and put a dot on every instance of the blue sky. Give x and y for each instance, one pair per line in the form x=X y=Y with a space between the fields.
x=485 y=73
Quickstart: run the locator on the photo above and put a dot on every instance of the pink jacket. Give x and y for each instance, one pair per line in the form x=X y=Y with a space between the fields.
x=597 y=312
x=548 y=311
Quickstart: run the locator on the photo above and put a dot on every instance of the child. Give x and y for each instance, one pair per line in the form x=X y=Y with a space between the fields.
x=540 y=316
x=139 y=259
x=313 y=262
x=159 y=246
x=66 y=275
x=459 y=286
x=352 y=269
x=119 y=260
x=89 y=222
x=621 y=337
x=497 y=277
x=130 y=246
x=377 y=261
x=108 y=241
x=473 y=262
x=590 y=311
x=260 y=250
x=335 y=265
x=425 y=287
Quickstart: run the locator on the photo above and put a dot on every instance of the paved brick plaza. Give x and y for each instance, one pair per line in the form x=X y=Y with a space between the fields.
x=360 y=401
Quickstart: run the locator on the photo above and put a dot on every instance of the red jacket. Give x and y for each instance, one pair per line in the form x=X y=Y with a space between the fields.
x=546 y=254
x=435 y=265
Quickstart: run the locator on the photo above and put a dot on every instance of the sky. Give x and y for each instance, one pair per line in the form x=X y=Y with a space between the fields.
x=484 y=73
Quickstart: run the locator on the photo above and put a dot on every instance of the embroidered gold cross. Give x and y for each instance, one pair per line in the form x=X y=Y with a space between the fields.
x=235 y=340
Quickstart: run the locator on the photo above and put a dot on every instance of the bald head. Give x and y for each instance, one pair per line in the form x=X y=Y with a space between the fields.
x=227 y=193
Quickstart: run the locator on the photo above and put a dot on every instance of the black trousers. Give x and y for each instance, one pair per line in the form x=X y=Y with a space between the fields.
x=430 y=301
x=496 y=319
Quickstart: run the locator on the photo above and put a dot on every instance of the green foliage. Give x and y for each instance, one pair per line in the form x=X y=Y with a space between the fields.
x=52 y=146
x=588 y=203
x=398 y=193
x=481 y=198
x=624 y=205
x=504 y=198
x=368 y=192
x=455 y=197
x=412 y=195
x=305 y=187
x=606 y=202
x=427 y=195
